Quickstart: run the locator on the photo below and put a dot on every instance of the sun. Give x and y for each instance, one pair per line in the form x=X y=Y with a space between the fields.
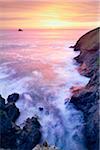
x=54 y=24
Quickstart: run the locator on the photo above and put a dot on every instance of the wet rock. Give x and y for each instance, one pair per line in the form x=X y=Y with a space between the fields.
x=5 y=123
x=12 y=111
x=67 y=100
x=2 y=103
x=30 y=135
x=11 y=135
x=71 y=46
x=87 y=98
x=75 y=90
x=41 y=108
x=7 y=135
x=13 y=98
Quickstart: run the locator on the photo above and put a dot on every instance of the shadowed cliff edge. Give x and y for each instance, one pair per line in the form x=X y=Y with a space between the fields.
x=87 y=99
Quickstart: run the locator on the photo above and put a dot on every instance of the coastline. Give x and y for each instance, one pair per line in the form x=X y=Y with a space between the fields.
x=85 y=100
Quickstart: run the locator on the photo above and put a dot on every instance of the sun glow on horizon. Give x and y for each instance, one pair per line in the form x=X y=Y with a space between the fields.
x=54 y=24
x=48 y=15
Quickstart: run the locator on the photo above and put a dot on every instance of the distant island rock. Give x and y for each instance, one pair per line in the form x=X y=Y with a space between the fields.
x=20 y=30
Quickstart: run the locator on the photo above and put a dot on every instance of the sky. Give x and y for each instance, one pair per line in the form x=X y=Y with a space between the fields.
x=49 y=14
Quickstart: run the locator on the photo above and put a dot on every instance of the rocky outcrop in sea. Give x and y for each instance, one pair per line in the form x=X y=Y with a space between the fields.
x=12 y=136
x=87 y=99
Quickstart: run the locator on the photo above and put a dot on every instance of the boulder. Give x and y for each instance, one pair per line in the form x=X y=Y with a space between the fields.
x=41 y=108
x=13 y=98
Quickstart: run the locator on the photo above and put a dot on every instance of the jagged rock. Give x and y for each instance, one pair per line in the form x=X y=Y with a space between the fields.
x=13 y=98
x=11 y=135
x=2 y=103
x=41 y=108
x=30 y=135
x=87 y=98
x=5 y=123
x=12 y=111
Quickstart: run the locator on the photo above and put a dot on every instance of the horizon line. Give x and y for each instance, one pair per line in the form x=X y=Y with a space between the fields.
x=48 y=28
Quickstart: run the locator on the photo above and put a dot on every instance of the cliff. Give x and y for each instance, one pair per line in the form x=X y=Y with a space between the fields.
x=88 y=42
x=87 y=99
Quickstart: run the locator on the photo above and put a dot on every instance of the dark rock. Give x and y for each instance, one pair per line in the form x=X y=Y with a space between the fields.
x=7 y=135
x=41 y=108
x=30 y=135
x=31 y=124
x=87 y=98
x=45 y=144
x=2 y=103
x=71 y=46
x=84 y=100
x=5 y=123
x=12 y=136
x=12 y=111
x=13 y=98
x=20 y=30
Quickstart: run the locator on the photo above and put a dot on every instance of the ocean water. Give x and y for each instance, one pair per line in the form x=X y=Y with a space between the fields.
x=39 y=65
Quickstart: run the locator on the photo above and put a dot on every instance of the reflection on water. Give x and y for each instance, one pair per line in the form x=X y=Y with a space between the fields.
x=40 y=66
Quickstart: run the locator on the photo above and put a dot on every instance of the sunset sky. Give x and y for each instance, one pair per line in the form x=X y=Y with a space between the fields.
x=44 y=14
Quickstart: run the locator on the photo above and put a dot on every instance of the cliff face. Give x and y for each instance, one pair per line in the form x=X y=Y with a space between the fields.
x=87 y=99
x=88 y=42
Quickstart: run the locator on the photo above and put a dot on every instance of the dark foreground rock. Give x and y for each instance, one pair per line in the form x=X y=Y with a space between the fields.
x=12 y=111
x=87 y=99
x=12 y=136
x=13 y=98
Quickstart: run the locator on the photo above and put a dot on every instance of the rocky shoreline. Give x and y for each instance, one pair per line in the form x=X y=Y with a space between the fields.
x=12 y=136
x=86 y=99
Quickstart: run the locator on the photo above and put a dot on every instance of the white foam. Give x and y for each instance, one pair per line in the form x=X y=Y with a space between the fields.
x=62 y=125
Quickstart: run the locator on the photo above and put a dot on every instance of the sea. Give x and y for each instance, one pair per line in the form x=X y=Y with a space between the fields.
x=40 y=66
